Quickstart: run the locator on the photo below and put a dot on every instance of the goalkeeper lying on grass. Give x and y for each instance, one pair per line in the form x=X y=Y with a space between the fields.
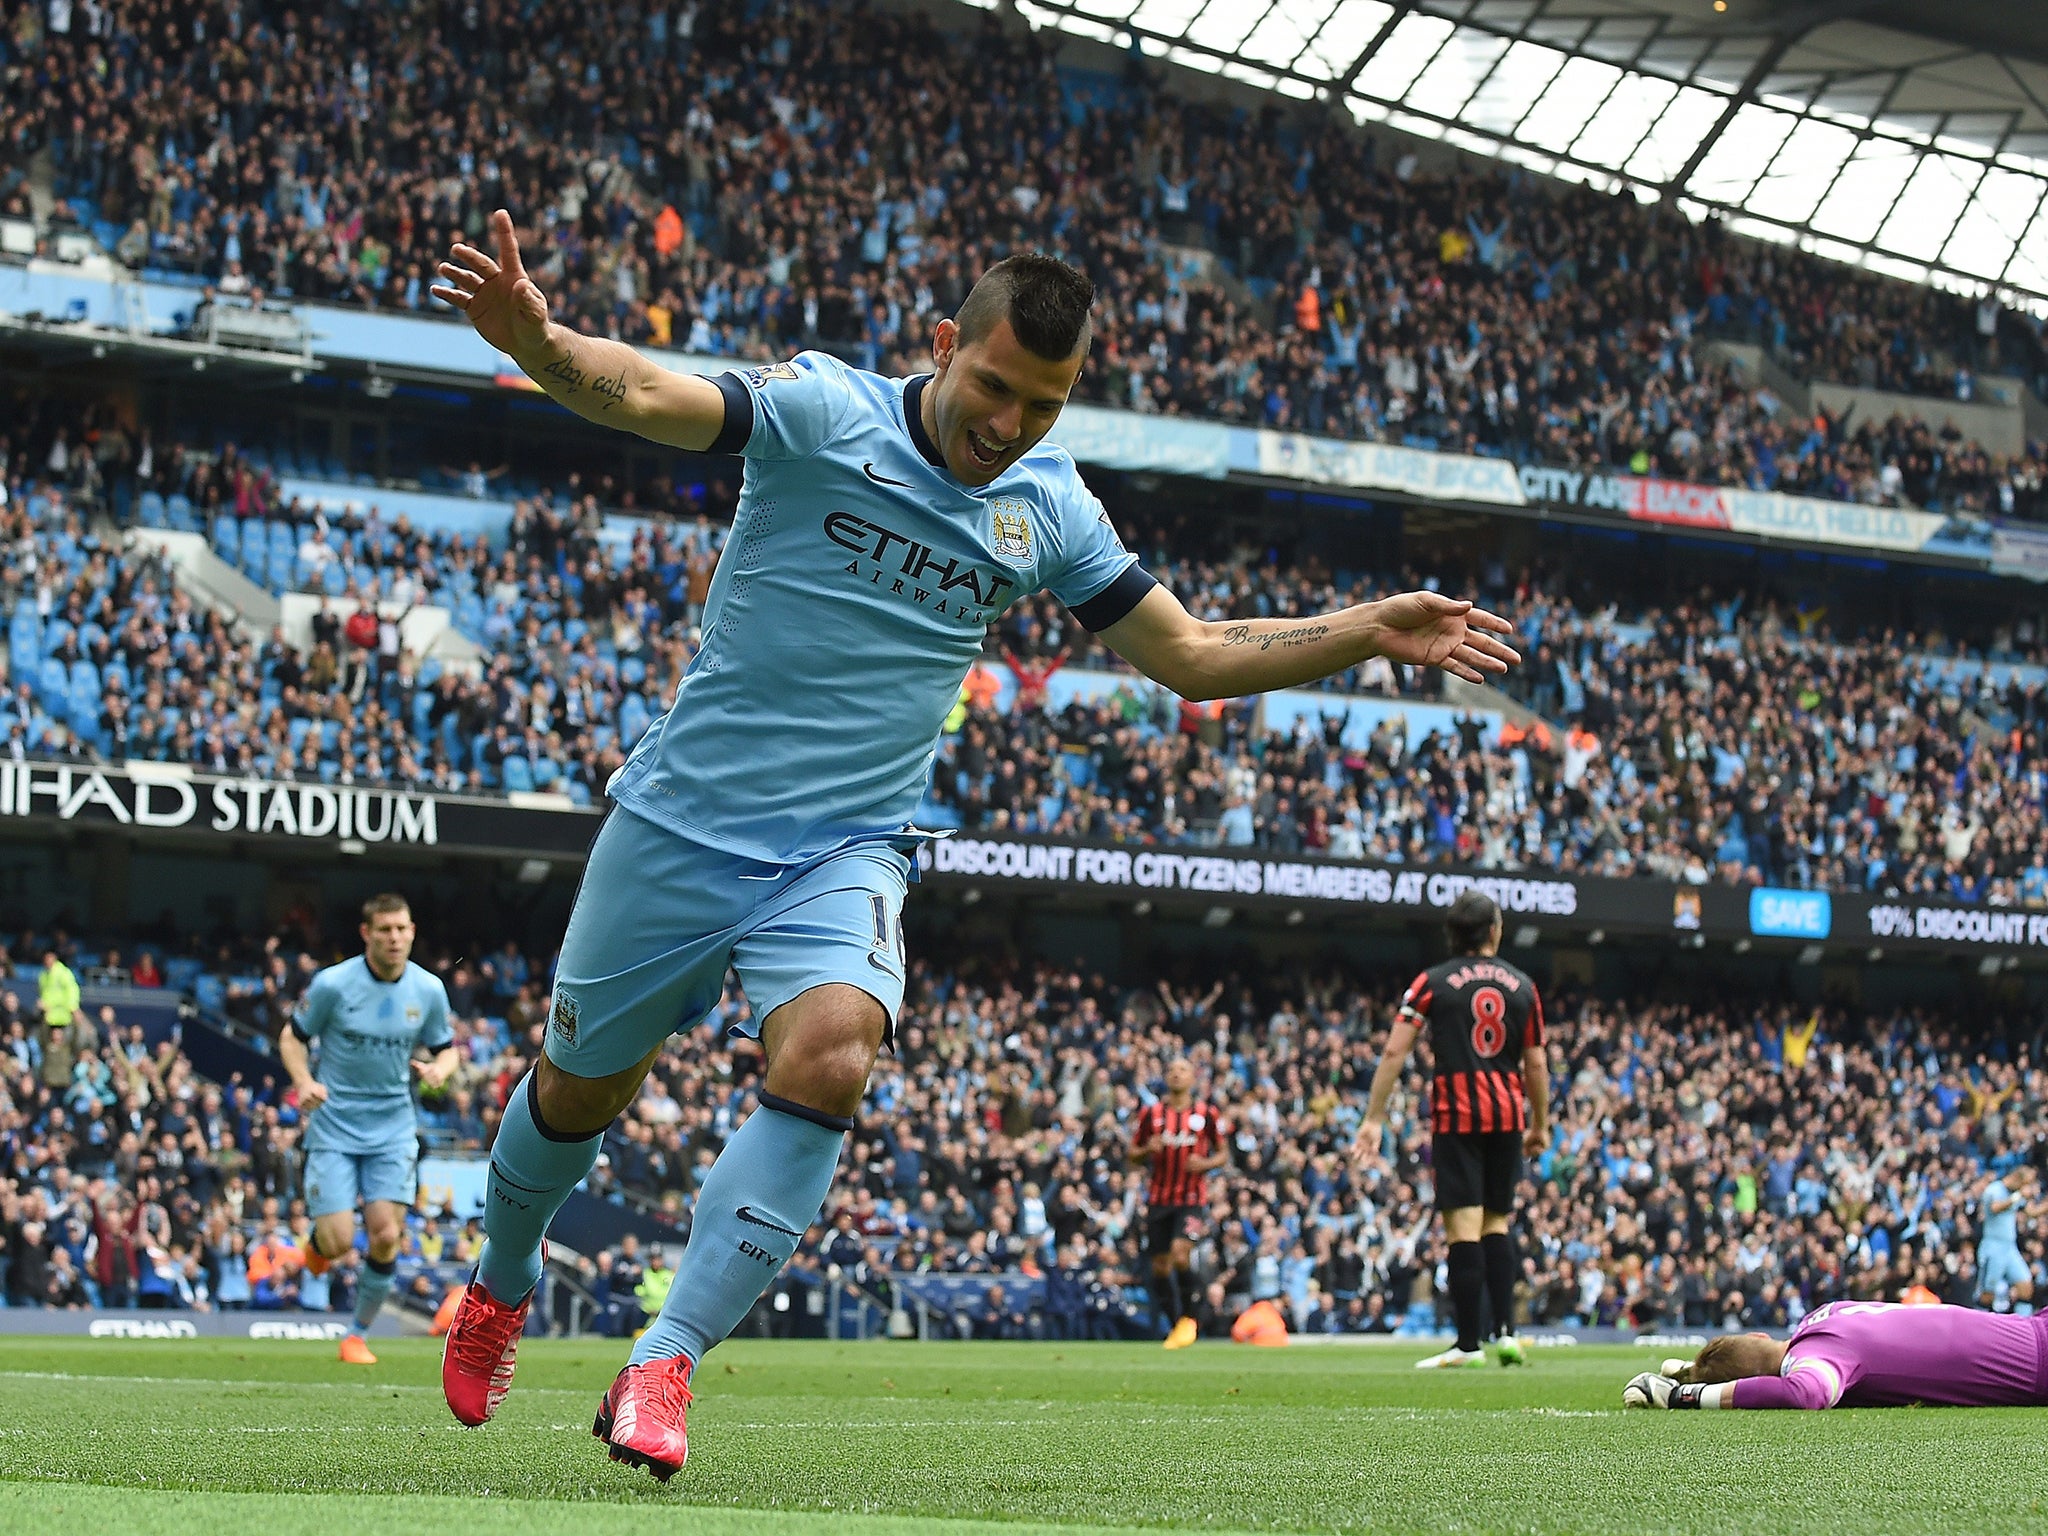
x=1863 y=1354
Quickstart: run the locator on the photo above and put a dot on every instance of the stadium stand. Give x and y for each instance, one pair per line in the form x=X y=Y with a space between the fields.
x=1719 y=1162
x=1864 y=761
x=735 y=182
x=712 y=184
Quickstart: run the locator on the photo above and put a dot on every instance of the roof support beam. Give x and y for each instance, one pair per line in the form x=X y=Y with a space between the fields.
x=1400 y=13
x=1785 y=31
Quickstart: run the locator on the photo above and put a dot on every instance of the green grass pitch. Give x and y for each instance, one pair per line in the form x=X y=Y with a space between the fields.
x=812 y=1439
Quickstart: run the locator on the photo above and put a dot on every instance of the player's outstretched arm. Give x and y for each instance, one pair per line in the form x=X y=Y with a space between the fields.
x=1365 y=1151
x=1198 y=659
x=602 y=381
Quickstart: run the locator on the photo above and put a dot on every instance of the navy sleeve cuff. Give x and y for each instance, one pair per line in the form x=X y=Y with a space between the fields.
x=738 y=430
x=1116 y=600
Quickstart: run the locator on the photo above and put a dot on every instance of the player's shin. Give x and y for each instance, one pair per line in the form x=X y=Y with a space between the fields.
x=760 y=1196
x=1499 y=1254
x=533 y=1169
x=371 y=1290
x=1467 y=1281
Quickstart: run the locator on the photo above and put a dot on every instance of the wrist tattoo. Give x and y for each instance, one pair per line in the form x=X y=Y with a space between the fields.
x=1304 y=634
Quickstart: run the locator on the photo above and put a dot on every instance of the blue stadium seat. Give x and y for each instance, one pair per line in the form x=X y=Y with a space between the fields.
x=151 y=510
x=633 y=720
x=85 y=677
x=518 y=775
x=227 y=537
x=53 y=680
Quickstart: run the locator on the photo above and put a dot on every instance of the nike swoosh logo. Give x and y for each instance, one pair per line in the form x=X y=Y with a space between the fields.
x=746 y=1214
x=868 y=469
x=887 y=970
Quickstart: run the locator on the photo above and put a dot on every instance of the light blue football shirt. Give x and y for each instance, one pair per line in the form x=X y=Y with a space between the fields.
x=848 y=604
x=2001 y=1226
x=367 y=1030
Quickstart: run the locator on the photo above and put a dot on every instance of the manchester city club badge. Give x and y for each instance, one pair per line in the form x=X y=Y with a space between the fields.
x=1011 y=530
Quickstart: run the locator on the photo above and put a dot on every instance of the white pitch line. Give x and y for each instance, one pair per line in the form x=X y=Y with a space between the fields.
x=365 y=1384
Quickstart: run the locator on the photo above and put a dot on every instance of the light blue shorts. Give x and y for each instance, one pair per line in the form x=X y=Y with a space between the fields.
x=2000 y=1262
x=335 y=1181
x=659 y=920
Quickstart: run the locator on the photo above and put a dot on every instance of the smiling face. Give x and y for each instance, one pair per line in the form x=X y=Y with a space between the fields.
x=991 y=400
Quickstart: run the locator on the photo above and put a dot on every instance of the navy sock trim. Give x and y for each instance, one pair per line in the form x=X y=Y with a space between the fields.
x=381 y=1266
x=565 y=1138
x=777 y=1102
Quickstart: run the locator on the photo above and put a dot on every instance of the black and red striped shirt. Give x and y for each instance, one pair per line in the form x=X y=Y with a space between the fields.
x=1481 y=1013
x=1180 y=1134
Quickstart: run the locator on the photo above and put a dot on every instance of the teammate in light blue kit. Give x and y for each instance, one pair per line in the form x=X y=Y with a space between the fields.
x=1999 y=1261
x=763 y=822
x=368 y=1016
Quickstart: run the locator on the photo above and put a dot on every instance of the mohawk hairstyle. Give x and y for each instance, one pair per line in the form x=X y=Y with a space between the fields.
x=1045 y=300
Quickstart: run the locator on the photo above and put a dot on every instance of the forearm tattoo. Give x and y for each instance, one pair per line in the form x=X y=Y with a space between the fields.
x=1303 y=634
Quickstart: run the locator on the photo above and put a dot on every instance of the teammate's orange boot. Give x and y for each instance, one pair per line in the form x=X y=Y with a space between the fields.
x=640 y=1419
x=1182 y=1336
x=355 y=1352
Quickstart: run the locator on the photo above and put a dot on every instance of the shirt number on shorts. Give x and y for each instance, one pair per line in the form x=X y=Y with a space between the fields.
x=1489 y=1021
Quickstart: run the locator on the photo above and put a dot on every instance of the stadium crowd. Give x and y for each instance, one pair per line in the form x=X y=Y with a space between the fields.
x=1724 y=1162
x=748 y=182
x=1687 y=740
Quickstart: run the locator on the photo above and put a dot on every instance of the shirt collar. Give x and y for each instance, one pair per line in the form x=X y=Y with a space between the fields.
x=913 y=418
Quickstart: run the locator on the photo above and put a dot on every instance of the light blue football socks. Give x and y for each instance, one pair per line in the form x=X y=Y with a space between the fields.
x=533 y=1169
x=372 y=1286
x=763 y=1192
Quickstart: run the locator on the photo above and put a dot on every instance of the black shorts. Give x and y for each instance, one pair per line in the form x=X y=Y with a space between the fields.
x=1167 y=1224
x=1478 y=1169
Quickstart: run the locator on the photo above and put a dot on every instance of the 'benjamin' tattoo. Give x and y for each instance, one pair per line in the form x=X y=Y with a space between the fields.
x=1306 y=634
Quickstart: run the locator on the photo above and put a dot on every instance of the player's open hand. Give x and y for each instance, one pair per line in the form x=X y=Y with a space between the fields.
x=1427 y=629
x=501 y=301
x=1365 y=1151
x=432 y=1074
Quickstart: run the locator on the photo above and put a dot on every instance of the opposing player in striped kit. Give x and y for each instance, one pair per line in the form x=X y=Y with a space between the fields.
x=1490 y=1103
x=1184 y=1139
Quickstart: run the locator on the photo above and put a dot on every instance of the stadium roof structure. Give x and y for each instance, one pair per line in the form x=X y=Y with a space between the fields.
x=1902 y=135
